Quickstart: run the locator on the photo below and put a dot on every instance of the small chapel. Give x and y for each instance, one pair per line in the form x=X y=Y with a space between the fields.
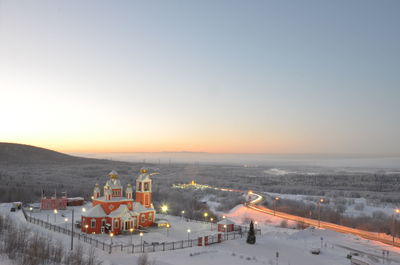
x=116 y=212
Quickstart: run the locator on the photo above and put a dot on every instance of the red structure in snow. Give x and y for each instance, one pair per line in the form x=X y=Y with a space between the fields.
x=226 y=225
x=116 y=213
x=51 y=203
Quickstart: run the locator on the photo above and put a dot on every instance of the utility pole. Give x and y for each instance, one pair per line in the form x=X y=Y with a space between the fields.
x=72 y=230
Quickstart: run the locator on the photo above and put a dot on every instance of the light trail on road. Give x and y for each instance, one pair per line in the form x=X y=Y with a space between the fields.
x=252 y=204
x=326 y=225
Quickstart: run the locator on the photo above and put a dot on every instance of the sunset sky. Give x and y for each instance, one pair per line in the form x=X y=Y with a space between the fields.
x=210 y=76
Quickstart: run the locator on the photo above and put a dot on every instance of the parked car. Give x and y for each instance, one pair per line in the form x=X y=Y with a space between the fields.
x=315 y=251
x=12 y=209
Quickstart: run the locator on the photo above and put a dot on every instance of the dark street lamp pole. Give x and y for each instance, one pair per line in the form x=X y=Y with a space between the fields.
x=275 y=200
x=72 y=230
x=319 y=211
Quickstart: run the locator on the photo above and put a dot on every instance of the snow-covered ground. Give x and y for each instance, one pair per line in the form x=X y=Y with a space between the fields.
x=177 y=231
x=293 y=245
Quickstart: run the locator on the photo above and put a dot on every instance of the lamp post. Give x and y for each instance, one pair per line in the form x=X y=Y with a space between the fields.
x=168 y=229
x=30 y=213
x=211 y=223
x=182 y=213
x=226 y=232
x=86 y=228
x=164 y=209
x=319 y=211
x=276 y=199
x=141 y=241
x=131 y=230
x=223 y=217
x=396 y=211
x=72 y=230
x=83 y=209
x=188 y=233
x=205 y=216
x=55 y=215
x=66 y=221
x=111 y=236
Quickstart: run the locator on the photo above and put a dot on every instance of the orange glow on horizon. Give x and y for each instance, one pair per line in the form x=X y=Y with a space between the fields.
x=213 y=146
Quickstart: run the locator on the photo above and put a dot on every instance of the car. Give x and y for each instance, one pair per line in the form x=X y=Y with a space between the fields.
x=315 y=251
x=12 y=209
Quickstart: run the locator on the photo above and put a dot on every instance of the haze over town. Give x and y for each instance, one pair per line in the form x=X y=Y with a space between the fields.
x=196 y=132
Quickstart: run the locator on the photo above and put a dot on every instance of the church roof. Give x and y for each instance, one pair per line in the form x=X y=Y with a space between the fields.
x=112 y=173
x=96 y=211
x=138 y=207
x=144 y=176
x=122 y=209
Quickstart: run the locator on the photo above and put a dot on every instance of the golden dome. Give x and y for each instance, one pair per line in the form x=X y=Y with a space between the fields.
x=113 y=174
x=143 y=171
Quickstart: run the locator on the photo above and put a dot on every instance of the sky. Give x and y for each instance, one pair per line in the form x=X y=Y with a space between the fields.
x=286 y=77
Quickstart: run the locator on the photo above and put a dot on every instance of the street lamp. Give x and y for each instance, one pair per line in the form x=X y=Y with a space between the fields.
x=188 y=232
x=55 y=215
x=211 y=221
x=30 y=214
x=131 y=229
x=205 y=216
x=275 y=200
x=168 y=229
x=83 y=209
x=65 y=220
x=223 y=217
x=182 y=213
x=255 y=223
x=86 y=228
x=141 y=241
x=164 y=209
x=396 y=211
x=111 y=236
x=226 y=232
x=319 y=211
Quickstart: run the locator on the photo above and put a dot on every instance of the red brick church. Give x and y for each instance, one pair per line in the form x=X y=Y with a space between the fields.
x=114 y=212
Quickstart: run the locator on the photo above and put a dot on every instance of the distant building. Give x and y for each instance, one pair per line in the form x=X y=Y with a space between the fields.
x=76 y=201
x=116 y=213
x=226 y=225
x=51 y=203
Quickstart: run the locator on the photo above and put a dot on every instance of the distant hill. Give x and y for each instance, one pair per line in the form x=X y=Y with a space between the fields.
x=11 y=153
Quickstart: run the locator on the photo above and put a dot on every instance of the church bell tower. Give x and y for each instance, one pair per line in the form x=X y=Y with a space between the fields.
x=143 y=188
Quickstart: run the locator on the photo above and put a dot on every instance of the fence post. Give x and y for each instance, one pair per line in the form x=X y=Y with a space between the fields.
x=110 y=249
x=133 y=248
x=163 y=246
x=103 y=245
x=154 y=248
x=122 y=246
x=173 y=245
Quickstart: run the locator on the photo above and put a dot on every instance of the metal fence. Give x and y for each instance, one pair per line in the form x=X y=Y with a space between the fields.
x=144 y=247
x=64 y=230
